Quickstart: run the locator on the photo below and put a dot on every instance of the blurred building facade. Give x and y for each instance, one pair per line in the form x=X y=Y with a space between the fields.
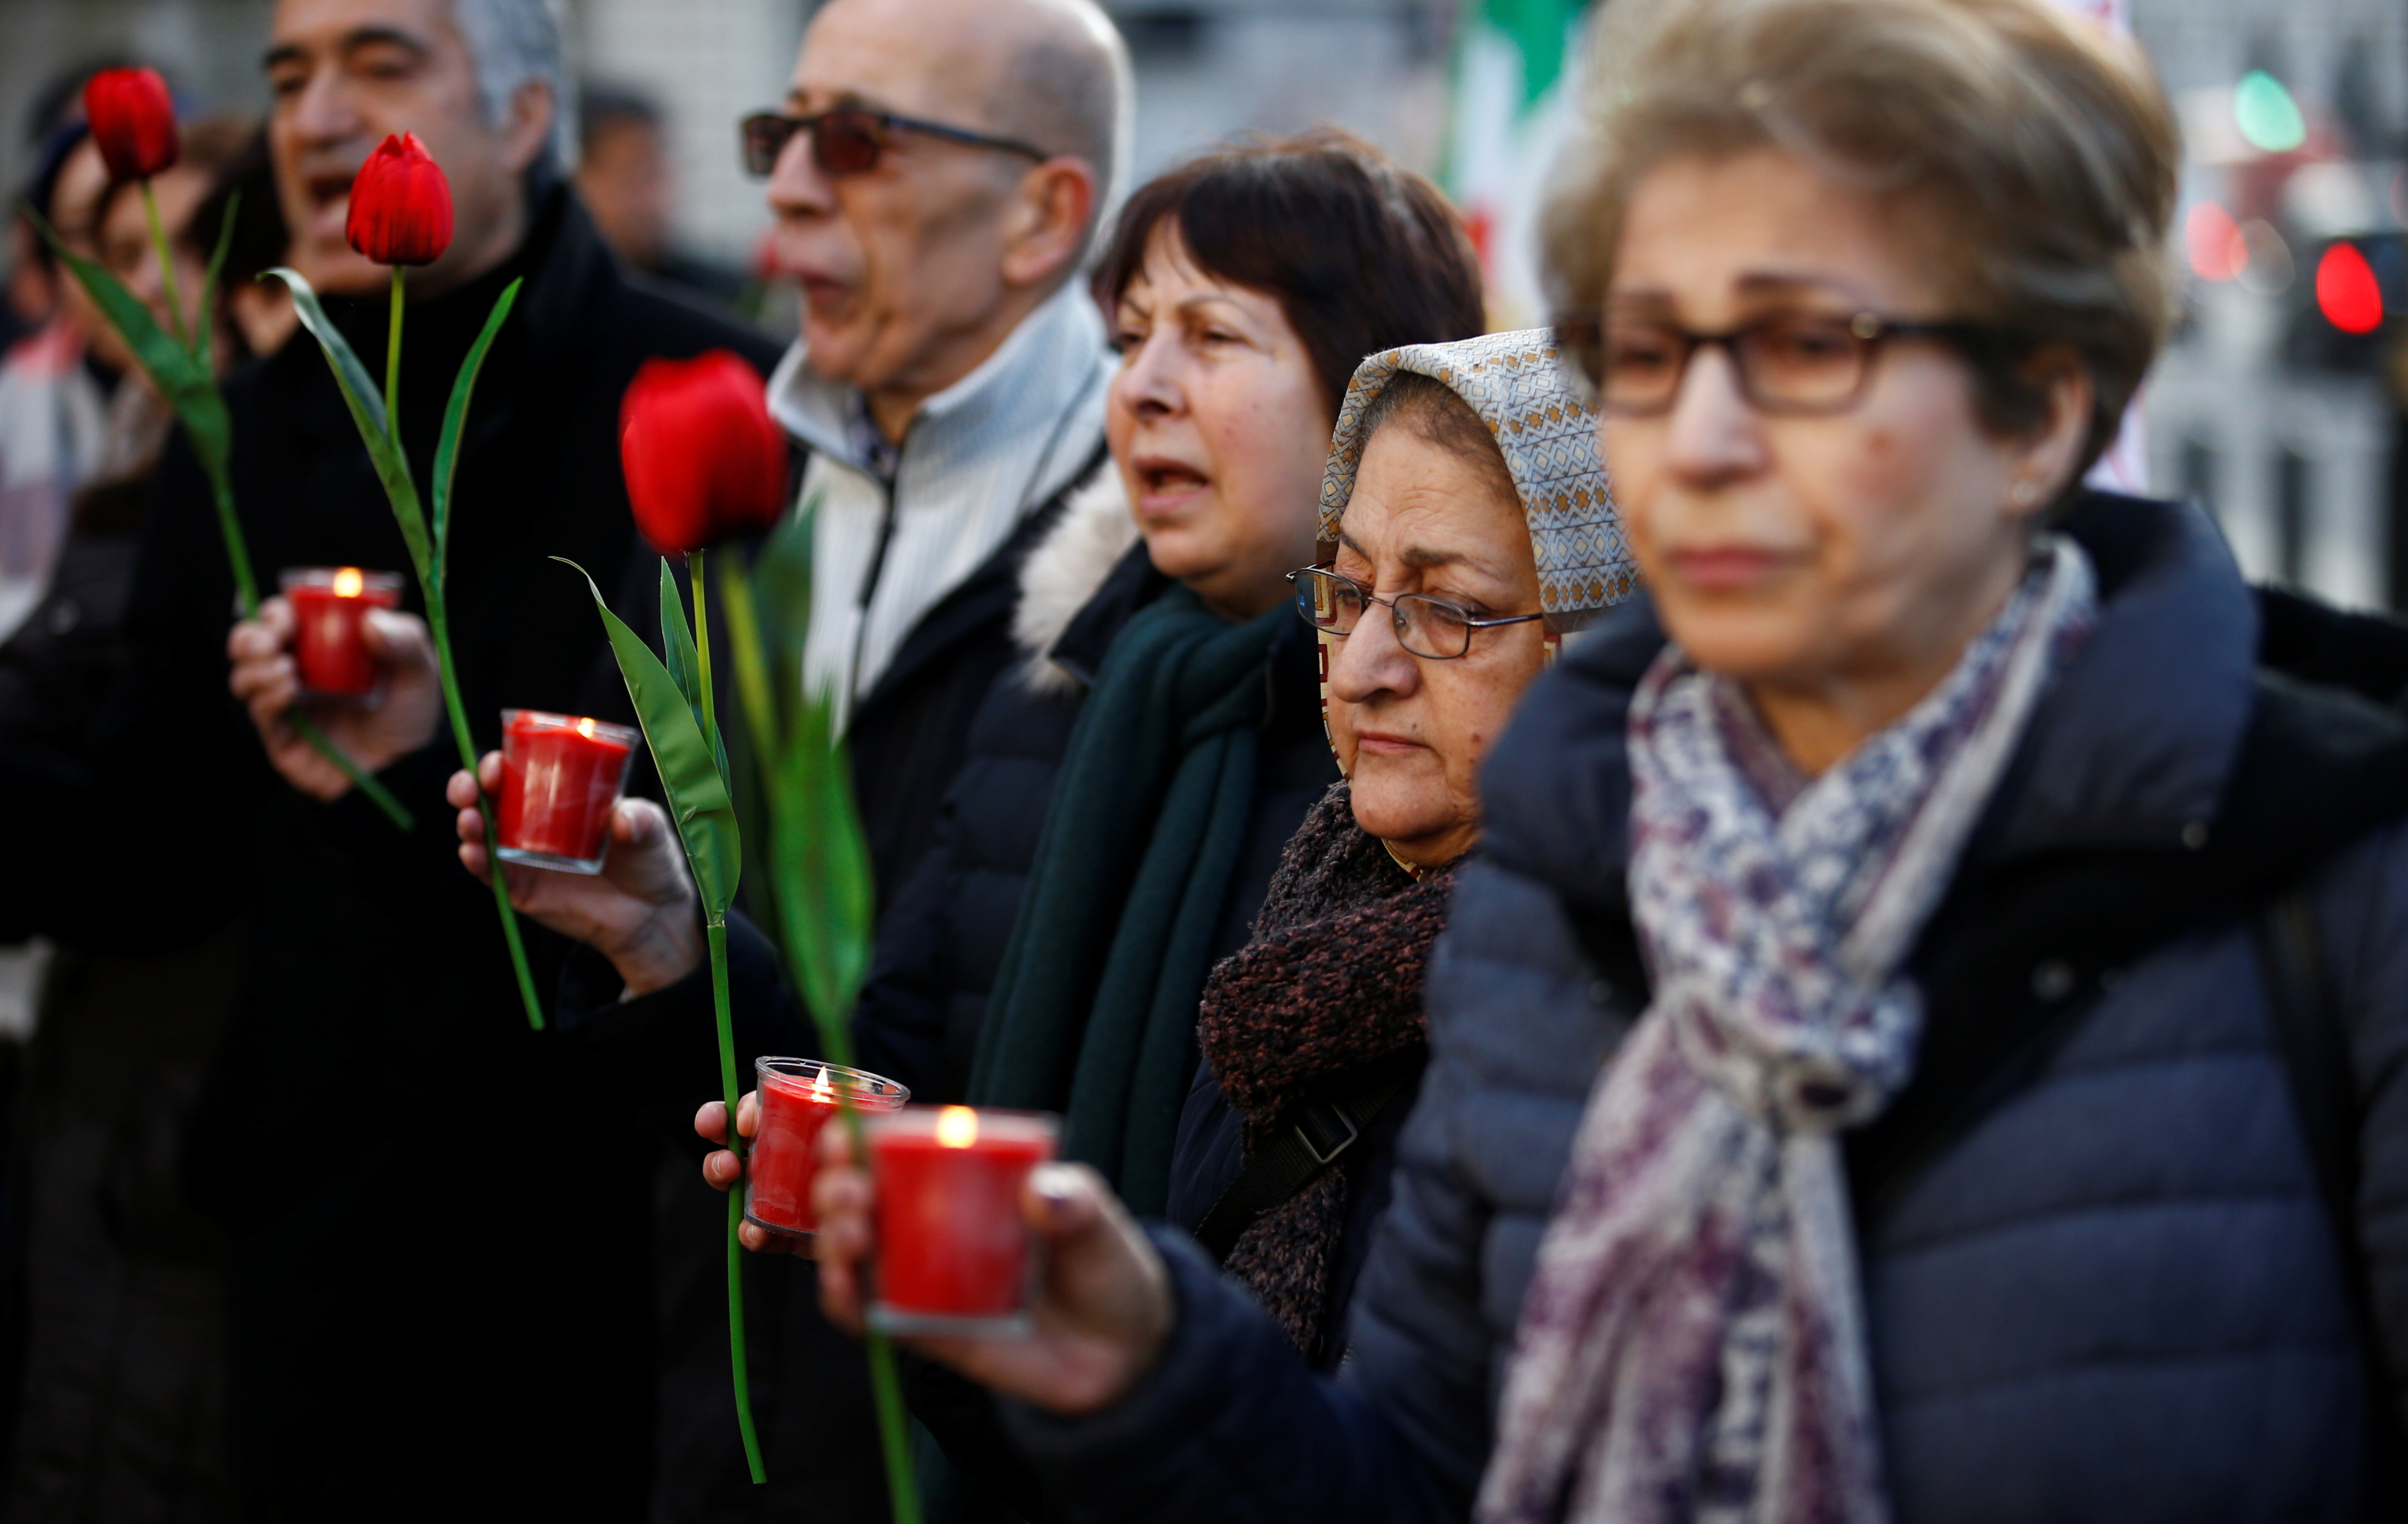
x=2285 y=424
x=2280 y=403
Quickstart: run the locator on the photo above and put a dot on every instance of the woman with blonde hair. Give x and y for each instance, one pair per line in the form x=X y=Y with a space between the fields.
x=1924 y=1036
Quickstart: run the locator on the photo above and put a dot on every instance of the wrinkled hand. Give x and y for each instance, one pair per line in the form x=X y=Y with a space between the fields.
x=1104 y=1307
x=268 y=684
x=721 y=1170
x=640 y=912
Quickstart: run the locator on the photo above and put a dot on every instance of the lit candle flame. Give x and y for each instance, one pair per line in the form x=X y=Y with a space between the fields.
x=349 y=582
x=821 y=1089
x=956 y=1126
x=585 y=729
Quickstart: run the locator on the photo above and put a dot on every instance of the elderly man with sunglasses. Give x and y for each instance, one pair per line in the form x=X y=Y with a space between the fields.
x=937 y=172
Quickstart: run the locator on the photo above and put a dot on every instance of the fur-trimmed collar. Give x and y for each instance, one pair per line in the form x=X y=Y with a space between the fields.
x=1065 y=570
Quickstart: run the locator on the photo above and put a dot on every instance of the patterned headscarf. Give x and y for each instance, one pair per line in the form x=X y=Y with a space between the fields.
x=1547 y=433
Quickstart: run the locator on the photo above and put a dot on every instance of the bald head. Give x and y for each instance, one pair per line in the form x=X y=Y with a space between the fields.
x=1052 y=73
x=1066 y=85
x=916 y=265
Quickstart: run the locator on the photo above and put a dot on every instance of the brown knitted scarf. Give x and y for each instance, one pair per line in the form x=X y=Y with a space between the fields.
x=1330 y=984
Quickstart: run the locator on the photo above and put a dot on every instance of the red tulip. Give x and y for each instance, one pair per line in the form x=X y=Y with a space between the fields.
x=703 y=458
x=133 y=121
x=401 y=204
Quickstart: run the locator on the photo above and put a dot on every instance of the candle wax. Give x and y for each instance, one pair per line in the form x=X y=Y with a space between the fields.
x=558 y=784
x=951 y=1240
x=327 y=647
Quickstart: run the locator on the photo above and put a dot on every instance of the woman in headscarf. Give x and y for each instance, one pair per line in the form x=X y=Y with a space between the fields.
x=1924 y=1036
x=1466 y=528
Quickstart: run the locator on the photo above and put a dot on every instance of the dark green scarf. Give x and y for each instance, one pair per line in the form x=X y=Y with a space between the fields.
x=1094 y=1009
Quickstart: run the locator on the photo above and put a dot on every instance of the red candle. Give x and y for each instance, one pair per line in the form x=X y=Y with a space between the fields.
x=797 y=1097
x=952 y=1249
x=560 y=776
x=329 y=605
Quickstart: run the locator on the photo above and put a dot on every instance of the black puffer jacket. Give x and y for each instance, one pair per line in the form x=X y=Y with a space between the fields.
x=2100 y=1282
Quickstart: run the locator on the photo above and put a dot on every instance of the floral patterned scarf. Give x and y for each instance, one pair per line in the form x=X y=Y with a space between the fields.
x=1691 y=1347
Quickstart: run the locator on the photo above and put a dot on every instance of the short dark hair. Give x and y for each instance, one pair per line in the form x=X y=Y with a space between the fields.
x=1363 y=254
x=603 y=105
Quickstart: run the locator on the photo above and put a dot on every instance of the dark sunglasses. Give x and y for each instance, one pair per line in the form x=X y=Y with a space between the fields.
x=850 y=139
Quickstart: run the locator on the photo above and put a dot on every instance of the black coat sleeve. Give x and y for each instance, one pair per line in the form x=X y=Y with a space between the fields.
x=661 y=1051
x=898 y=1027
x=137 y=839
x=1230 y=1426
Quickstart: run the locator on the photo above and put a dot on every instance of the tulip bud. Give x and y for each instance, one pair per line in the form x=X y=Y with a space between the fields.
x=133 y=121
x=703 y=458
x=401 y=204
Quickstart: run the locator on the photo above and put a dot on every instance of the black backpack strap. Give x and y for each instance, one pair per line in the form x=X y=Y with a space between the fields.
x=2314 y=1051
x=1324 y=1128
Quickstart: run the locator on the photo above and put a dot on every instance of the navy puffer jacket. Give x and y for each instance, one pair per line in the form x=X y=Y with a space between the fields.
x=2100 y=1282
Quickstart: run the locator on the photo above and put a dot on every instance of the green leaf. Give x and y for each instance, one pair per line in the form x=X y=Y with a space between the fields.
x=184 y=381
x=210 y=279
x=821 y=863
x=368 y=412
x=676 y=642
x=685 y=664
x=698 y=797
x=456 y=416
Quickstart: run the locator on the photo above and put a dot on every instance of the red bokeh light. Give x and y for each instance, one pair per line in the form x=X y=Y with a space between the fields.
x=2346 y=293
x=2214 y=243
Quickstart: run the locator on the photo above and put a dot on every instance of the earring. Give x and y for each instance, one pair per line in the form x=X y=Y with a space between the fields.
x=2024 y=493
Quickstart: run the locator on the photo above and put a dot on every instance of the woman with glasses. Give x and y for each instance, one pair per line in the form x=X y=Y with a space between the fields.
x=1921 y=1038
x=1466 y=526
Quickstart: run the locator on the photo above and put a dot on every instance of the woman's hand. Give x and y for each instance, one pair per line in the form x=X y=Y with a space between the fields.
x=267 y=682
x=721 y=1170
x=640 y=912
x=1104 y=1307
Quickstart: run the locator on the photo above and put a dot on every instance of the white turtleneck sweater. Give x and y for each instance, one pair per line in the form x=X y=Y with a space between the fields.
x=980 y=457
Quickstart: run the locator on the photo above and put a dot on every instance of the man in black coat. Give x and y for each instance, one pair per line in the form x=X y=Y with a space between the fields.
x=401 y=1345
x=937 y=170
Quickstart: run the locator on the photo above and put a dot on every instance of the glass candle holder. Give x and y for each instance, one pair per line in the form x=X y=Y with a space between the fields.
x=560 y=777
x=953 y=1254
x=329 y=606
x=797 y=1097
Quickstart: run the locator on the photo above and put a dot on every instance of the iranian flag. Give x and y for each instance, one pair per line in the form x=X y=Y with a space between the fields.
x=1516 y=74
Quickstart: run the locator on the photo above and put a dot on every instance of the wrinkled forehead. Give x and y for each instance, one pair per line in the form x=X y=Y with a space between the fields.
x=936 y=59
x=329 y=26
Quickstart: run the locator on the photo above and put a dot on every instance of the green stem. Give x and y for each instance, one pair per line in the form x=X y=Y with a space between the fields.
x=167 y=270
x=393 y=367
x=885 y=1388
x=439 y=626
x=716 y=930
x=376 y=792
x=693 y=568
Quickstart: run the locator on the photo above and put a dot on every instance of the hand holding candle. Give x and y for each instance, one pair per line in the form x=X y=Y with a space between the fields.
x=266 y=678
x=1103 y=1307
x=640 y=910
x=560 y=777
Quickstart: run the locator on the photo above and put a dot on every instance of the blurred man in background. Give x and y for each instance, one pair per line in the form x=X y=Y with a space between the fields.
x=625 y=177
x=400 y=1343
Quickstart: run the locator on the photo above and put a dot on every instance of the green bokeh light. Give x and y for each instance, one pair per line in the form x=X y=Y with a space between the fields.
x=2267 y=115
